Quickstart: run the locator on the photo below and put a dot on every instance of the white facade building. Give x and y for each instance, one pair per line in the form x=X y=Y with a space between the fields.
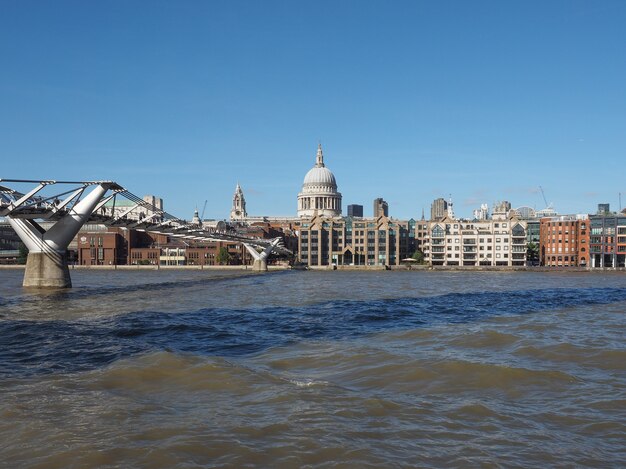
x=477 y=243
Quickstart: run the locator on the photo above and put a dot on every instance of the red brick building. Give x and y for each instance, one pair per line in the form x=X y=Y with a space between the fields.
x=101 y=247
x=564 y=241
x=97 y=245
x=117 y=246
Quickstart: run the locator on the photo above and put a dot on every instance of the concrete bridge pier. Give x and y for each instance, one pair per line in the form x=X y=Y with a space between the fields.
x=47 y=270
x=259 y=265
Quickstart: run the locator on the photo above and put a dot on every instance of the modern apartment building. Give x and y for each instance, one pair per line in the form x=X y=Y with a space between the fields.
x=564 y=241
x=347 y=241
x=420 y=231
x=607 y=243
x=500 y=242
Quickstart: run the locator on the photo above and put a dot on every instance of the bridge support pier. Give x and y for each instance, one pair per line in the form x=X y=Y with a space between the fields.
x=47 y=270
x=259 y=265
x=260 y=258
x=46 y=265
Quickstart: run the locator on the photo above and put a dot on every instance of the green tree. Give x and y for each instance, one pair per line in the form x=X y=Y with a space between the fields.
x=532 y=252
x=223 y=256
x=418 y=256
x=23 y=254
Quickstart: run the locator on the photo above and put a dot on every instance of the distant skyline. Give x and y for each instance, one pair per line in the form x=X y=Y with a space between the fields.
x=411 y=100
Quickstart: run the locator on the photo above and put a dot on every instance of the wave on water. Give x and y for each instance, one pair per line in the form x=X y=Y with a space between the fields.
x=52 y=346
x=146 y=288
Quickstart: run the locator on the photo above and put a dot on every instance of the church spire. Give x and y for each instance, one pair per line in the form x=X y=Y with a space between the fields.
x=319 y=160
x=238 y=210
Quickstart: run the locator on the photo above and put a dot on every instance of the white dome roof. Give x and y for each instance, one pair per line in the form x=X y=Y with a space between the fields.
x=320 y=176
x=319 y=191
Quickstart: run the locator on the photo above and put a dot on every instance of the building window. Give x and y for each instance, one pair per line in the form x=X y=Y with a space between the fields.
x=437 y=232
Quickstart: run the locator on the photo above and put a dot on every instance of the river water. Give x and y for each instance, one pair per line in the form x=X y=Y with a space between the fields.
x=185 y=369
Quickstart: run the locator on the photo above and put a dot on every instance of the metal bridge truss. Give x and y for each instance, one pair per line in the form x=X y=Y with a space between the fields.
x=58 y=201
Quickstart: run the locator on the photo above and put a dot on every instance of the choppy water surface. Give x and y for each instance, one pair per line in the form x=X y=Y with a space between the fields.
x=316 y=369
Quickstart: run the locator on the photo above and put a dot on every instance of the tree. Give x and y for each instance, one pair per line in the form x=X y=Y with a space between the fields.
x=23 y=254
x=223 y=256
x=532 y=253
x=418 y=256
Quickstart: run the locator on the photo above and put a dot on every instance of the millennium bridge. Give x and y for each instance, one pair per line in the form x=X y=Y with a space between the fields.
x=67 y=205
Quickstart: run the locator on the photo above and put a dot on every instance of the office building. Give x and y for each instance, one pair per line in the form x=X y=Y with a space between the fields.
x=604 y=209
x=438 y=209
x=607 y=242
x=381 y=208
x=346 y=241
x=355 y=210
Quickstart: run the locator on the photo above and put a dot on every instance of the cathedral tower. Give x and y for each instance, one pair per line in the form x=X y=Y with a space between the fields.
x=238 y=211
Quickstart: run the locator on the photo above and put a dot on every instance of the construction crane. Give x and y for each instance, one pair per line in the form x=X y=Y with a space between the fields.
x=544 y=196
x=203 y=209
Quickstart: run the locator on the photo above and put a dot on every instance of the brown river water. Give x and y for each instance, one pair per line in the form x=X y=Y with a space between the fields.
x=186 y=369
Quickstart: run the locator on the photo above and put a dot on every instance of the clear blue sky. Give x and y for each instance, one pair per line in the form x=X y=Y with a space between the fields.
x=484 y=100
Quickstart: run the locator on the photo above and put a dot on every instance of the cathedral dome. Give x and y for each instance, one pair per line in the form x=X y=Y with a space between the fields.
x=319 y=191
x=320 y=176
